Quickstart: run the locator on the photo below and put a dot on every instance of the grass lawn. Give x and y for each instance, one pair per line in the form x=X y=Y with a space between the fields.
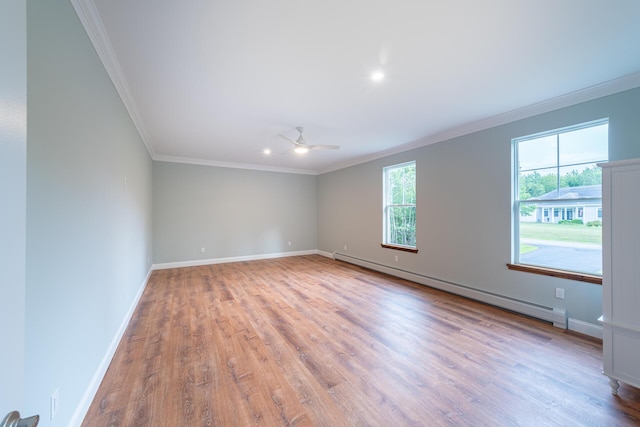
x=525 y=248
x=561 y=232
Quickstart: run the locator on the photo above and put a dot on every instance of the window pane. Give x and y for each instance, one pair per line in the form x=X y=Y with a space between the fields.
x=561 y=235
x=537 y=153
x=537 y=183
x=402 y=226
x=584 y=145
x=559 y=241
x=581 y=175
x=530 y=212
x=402 y=182
x=399 y=205
x=559 y=199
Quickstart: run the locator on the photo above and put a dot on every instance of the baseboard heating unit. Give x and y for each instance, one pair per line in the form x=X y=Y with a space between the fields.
x=556 y=316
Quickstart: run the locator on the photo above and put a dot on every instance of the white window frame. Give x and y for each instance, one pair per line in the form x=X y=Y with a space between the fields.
x=515 y=240
x=386 y=207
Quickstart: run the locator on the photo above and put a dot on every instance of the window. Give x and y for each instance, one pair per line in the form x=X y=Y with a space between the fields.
x=558 y=199
x=399 y=217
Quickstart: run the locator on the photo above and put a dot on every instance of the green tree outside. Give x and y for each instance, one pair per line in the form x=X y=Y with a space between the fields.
x=402 y=215
x=535 y=184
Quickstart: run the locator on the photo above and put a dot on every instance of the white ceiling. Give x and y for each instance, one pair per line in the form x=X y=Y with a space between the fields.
x=216 y=82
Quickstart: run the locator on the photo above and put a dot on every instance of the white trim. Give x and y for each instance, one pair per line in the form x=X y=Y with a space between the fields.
x=558 y=131
x=533 y=310
x=556 y=316
x=536 y=311
x=611 y=87
x=194 y=263
x=92 y=389
x=92 y=23
x=560 y=318
x=251 y=166
x=387 y=201
x=619 y=163
x=325 y=254
x=623 y=327
x=90 y=18
x=585 y=328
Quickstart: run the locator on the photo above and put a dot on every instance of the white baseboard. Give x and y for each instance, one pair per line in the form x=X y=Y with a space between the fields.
x=90 y=392
x=554 y=315
x=179 y=264
x=533 y=310
x=92 y=389
x=325 y=254
x=543 y=313
x=585 y=328
x=560 y=318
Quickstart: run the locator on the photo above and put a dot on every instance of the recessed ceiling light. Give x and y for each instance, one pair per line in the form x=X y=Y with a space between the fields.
x=266 y=151
x=377 y=76
x=301 y=150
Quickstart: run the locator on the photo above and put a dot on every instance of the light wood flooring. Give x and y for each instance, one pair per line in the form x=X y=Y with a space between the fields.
x=309 y=341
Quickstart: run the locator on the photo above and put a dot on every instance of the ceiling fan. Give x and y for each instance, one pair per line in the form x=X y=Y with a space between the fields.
x=301 y=145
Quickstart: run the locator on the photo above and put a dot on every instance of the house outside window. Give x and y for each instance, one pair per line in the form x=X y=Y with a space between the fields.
x=399 y=210
x=558 y=198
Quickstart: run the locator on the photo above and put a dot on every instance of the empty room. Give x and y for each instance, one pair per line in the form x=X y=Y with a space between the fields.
x=320 y=213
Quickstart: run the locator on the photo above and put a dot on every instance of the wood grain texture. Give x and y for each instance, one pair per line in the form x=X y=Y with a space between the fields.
x=309 y=341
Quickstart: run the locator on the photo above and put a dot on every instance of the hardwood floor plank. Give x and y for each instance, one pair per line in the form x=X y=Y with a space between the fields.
x=309 y=341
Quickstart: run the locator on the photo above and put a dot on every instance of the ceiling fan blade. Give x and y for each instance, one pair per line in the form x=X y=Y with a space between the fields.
x=301 y=144
x=291 y=140
x=323 y=147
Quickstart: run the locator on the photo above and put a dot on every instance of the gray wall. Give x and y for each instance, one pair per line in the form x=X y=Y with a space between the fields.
x=13 y=160
x=464 y=207
x=230 y=212
x=88 y=236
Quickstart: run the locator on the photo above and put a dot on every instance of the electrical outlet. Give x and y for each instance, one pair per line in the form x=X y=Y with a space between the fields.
x=55 y=402
x=560 y=293
x=345 y=247
x=396 y=258
x=289 y=242
x=202 y=249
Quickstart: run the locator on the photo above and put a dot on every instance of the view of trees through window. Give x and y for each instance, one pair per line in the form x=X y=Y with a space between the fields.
x=535 y=185
x=400 y=205
x=559 y=198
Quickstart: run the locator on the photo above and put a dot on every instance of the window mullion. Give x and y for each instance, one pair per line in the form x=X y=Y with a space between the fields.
x=547 y=220
x=558 y=163
x=398 y=221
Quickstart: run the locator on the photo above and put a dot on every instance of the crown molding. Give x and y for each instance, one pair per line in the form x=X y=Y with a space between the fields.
x=90 y=18
x=250 y=166
x=611 y=87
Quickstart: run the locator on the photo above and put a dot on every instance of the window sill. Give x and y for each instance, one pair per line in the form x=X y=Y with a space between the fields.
x=563 y=274
x=400 y=248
